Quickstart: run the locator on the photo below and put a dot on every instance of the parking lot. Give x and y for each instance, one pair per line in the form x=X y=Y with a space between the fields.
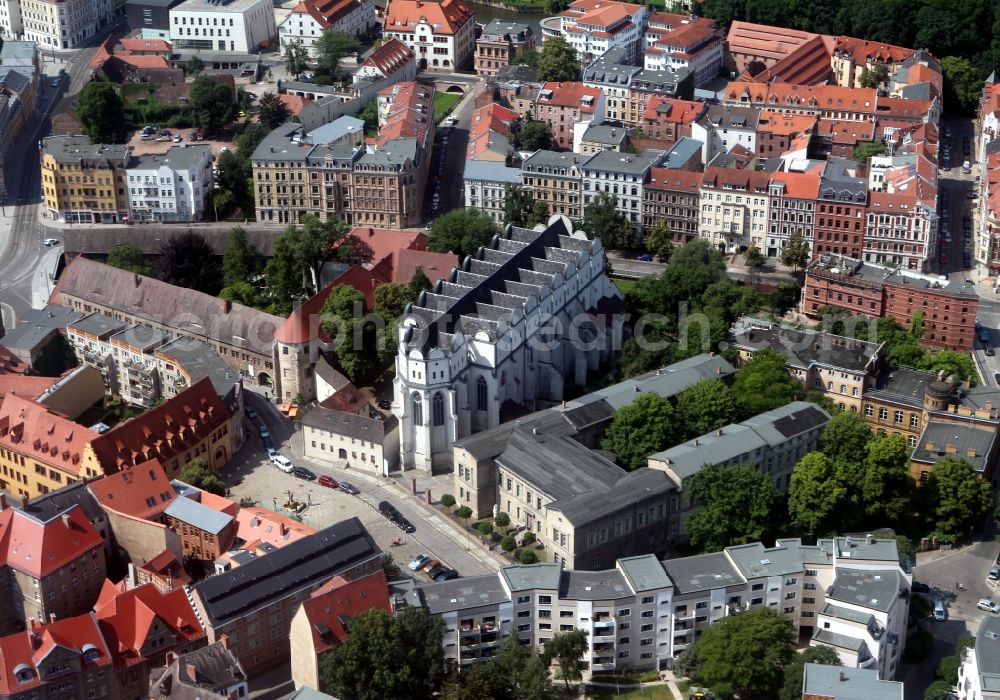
x=154 y=147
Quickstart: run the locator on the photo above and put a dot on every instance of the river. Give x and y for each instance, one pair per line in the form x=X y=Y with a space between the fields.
x=486 y=14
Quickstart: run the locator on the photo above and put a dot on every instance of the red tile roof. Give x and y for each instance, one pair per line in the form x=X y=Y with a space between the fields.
x=846 y=131
x=798 y=185
x=294 y=103
x=10 y=363
x=862 y=51
x=569 y=95
x=674 y=110
x=25 y=386
x=131 y=490
x=488 y=120
x=409 y=113
x=445 y=17
x=327 y=12
x=331 y=605
x=903 y=109
x=808 y=64
x=816 y=97
x=348 y=399
x=763 y=41
x=256 y=526
x=166 y=571
x=38 y=547
x=129 y=616
x=26 y=651
x=389 y=57
x=784 y=123
x=33 y=430
x=144 y=45
x=674 y=180
x=164 y=432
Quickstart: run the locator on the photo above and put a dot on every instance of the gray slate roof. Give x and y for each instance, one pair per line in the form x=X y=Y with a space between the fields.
x=199 y=360
x=702 y=572
x=835 y=639
x=202 y=517
x=974 y=444
x=179 y=157
x=806 y=347
x=624 y=163
x=870 y=589
x=644 y=573
x=756 y=561
x=988 y=653
x=848 y=684
x=70 y=149
x=546 y=576
x=491 y=171
x=594 y=585
x=140 y=336
x=37 y=324
x=348 y=424
x=605 y=134
x=462 y=593
x=97 y=324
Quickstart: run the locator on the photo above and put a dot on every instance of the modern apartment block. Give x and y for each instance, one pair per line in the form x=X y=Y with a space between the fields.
x=84 y=182
x=238 y=26
x=592 y=27
x=684 y=41
x=172 y=187
x=848 y=593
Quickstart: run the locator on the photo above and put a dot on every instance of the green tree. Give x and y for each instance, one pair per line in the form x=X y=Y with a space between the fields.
x=743 y=654
x=296 y=57
x=286 y=281
x=868 y=149
x=939 y=690
x=845 y=438
x=784 y=297
x=763 y=383
x=705 y=406
x=194 y=66
x=210 y=103
x=241 y=293
x=515 y=672
x=448 y=501
x=273 y=112
x=197 y=474
x=188 y=261
x=557 y=61
x=485 y=528
x=952 y=362
x=566 y=648
x=753 y=257
x=502 y=519
x=390 y=301
x=795 y=254
x=464 y=512
x=692 y=268
x=508 y=543
x=603 y=219
x=733 y=505
x=101 y=112
x=947 y=669
x=516 y=205
x=354 y=340
x=419 y=282
x=527 y=58
x=874 y=78
x=126 y=256
x=791 y=688
x=241 y=261
x=817 y=495
x=462 y=232
x=960 y=498
x=390 y=568
x=386 y=656
x=641 y=428
x=535 y=135
x=528 y=556
x=331 y=48
x=660 y=240
x=886 y=488
x=963 y=85
x=539 y=214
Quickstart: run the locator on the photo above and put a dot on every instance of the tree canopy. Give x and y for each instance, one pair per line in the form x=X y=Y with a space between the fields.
x=210 y=103
x=102 y=112
x=535 y=135
x=296 y=57
x=763 y=383
x=817 y=495
x=963 y=85
x=566 y=648
x=845 y=438
x=419 y=282
x=188 y=261
x=126 y=256
x=958 y=498
x=241 y=261
x=197 y=474
x=462 y=232
x=515 y=672
x=886 y=486
x=293 y=271
x=795 y=254
x=705 y=406
x=272 y=111
x=331 y=48
x=342 y=318
x=557 y=61
x=603 y=219
x=868 y=149
x=733 y=505
x=660 y=240
x=640 y=429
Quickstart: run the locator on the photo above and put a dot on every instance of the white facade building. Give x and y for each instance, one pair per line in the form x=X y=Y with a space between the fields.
x=485 y=186
x=240 y=26
x=441 y=34
x=10 y=19
x=61 y=25
x=509 y=326
x=979 y=674
x=683 y=41
x=722 y=128
x=172 y=186
x=622 y=175
x=592 y=27
x=310 y=18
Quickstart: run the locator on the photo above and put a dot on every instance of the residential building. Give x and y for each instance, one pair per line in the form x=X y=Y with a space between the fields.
x=137 y=380
x=358 y=441
x=851 y=58
x=63 y=25
x=209 y=673
x=67 y=658
x=980 y=669
x=948 y=309
x=90 y=338
x=29 y=341
x=11 y=25
x=517 y=87
x=310 y=18
x=260 y=528
x=593 y=27
x=54 y=503
x=477 y=481
x=441 y=34
x=41 y=450
x=239 y=26
x=455 y=368
x=486 y=186
x=666 y=119
x=839 y=367
x=84 y=182
x=721 y=128
x=19 y=74
x=823 y=682
x=672 y=196
x=792 y=209
x=643 y=613
x=684 y=41
x=253 y=604
x=734 y=206
x=172 y=187
x=629 y=88
x=195 y=423
x=52 y=568
x=987 y=219
x=900 y=230
x=772 y=443
x=555 y=178
x=322 y=621
x=206 y=533
x=841 y=209
x=242 y=336
x=776 y=131
x=387 y=182
x=564 y=105
x=809 y=64
x=500 y=44
x=150 y=18
x=492 y=134
x=622 y=176
x=394 y=60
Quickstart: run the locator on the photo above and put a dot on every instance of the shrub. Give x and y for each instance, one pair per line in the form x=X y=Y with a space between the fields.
x=485 y=528
x=503 y=520
x=527 y=538
x=447 y=500
x=528 y=556
x=508 y=544
x=464 y=512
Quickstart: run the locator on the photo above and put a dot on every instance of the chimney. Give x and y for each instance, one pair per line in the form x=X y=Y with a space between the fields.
x=371 y=232
x=842 y=677
x=929 y=446
x=970 y=452
x=718 y=369
x=66 y=521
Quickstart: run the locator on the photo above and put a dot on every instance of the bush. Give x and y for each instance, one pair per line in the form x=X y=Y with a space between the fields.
x=527 y=538
x=485 y=528
x=448 y=501
x=919 y=647
x=502 y=520
x=528 y=556
x=947 y=669
x=508 y=544
x=464 y=512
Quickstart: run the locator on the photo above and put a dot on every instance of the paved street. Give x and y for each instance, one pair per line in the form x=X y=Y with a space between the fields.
x=447 y=171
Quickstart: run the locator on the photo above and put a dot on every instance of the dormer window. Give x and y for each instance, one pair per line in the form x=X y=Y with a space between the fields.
x=23 y=673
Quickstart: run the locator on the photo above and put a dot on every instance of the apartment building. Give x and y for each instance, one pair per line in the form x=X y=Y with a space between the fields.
x=564 y=106
x=392 y=60
x=172 y=187
x=977 y=676
x=684 y=41
x=622 y=176
x=644 y=613
x=593 y=27
x=900 y=230
x=19 y=74
x=353 y=439
x=238 y=26
x=777 y=131
x=792 y=209
x=53 y=568
x=486 y=184
x=253 y=604
x=243 y=337
x=206 y=533
x=555 y=178
x=61 y=25
x=84 y=182
x=852 y=57
x=11 y=24
x=734 y=206
x=500 y=44
x=441 y=34
x=666 y=119
x=601 y=137
x=772 y=443
x=841 y=209
x=629 y=88
x=310 y=18
x=672 y=196
x=721 y=128
x=948 y=309
x=209 y=673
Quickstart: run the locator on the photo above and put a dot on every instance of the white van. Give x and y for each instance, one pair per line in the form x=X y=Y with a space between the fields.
x=966 y=167
x=939 y=610
x=282 y=463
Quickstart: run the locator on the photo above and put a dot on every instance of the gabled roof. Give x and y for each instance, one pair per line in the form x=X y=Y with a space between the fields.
x=331 y=606
x=32 y=429
x=389 y=57
x=256 y=526
x=327 y=12
x=445 y=17
x=765 y=42
x=142 y=491
x=784 y=123
x=808 y=64
x=38 y=547
x=671 y=109
x=572 y=94
x=198 y=516
x=23 y=652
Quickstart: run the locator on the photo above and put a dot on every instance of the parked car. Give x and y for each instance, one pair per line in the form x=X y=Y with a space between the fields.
x=327 y=481
x=282 y=463
x=446 y=575
x=988 y=605
x=264 y=433
x=387 y=510
x=939 y=610
x=348 y=488
x=645 y=257
x=49 y=242
x=271 y=452
x=437 y=569
x=996 y=378
x=303 y=473
x=989 y=352
x=178 y=138
x=419 y=562
x=994 y=574
x=403 y=524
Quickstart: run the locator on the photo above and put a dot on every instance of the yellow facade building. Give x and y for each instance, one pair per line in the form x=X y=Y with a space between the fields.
x=85 y=182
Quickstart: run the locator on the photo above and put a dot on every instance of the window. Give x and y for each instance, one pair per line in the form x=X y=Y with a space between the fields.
x=869 y=410
x=545 y=600
x=438 y=409
x=418 y=409
x=647 y=600
x=883 y=413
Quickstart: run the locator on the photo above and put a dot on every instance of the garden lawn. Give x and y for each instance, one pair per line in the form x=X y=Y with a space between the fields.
x=444 y=102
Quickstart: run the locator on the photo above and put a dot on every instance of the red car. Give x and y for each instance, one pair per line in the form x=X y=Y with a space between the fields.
x=329 y=481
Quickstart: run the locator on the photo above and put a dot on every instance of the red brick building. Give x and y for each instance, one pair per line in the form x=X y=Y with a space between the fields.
x=562 y=105
x=666 y=119
x=673 y=196
x=840 y=215
x=777 y=130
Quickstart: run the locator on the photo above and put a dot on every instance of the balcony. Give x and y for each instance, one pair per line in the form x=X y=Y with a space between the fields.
x=603 y=666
